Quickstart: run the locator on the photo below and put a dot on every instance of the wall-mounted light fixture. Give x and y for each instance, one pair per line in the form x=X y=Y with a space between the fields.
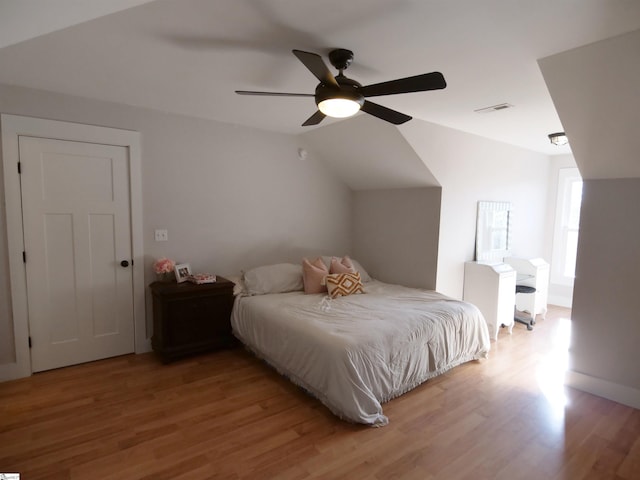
x=559 y=138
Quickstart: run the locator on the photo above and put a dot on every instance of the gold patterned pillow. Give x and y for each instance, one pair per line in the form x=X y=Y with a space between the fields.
x=343 y=284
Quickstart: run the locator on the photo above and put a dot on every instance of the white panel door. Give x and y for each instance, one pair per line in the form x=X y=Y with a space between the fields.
x=77 y=231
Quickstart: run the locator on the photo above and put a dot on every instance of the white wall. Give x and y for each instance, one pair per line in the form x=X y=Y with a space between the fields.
x=561 y=295
x=470 y=169
x=395 y=234
x=230 y=197
x=372 y=155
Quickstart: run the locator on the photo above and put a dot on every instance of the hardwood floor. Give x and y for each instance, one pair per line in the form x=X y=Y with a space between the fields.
x=227 y=415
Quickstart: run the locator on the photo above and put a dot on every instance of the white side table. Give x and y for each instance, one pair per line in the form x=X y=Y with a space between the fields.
x=492 y=288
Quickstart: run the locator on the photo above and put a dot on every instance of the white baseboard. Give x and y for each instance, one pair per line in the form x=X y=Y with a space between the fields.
x=144 y=346
x=603 y=388
x=13 y=371
x=560 y=301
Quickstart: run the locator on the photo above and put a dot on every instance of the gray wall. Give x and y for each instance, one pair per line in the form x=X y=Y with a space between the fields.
x=595 y=90
x=231 y=197
x=395 y=234
x=7 y=348
x=606 y=302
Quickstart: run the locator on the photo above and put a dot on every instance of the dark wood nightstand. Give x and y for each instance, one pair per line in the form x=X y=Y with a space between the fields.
x=190 y=318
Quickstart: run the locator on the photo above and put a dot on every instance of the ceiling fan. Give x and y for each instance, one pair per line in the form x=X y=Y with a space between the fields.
x=342 y=97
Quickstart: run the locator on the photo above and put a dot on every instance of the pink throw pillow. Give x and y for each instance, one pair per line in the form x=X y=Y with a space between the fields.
x=341 y=265
x=313 y=274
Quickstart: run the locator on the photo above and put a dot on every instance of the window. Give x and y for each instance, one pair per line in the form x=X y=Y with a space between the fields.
x=565 y=242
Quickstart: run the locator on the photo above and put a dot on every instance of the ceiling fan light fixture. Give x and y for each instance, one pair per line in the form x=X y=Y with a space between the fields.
x=339 y=107
x=341 y=97
x=341 y=102
x=559 y=138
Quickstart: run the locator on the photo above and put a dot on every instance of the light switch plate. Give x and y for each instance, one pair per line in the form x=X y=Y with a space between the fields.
x=162 y=235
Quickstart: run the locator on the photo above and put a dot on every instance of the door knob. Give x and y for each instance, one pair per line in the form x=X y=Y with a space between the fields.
x=124 y=263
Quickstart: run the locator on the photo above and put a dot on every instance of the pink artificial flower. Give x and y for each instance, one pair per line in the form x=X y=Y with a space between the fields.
x=164 y=265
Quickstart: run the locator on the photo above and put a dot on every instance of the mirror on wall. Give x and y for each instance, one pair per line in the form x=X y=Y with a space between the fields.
x=493 y=239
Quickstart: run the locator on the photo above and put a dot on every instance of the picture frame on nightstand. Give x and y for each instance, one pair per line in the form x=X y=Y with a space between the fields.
x=183 y=272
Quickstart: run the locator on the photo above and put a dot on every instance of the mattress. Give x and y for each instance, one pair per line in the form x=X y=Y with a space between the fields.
x=356 y=352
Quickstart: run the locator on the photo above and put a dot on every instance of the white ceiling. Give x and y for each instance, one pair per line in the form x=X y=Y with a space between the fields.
x=24 y=19
x=188 y=56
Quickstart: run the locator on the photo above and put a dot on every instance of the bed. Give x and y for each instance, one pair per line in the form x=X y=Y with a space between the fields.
x=356 y=352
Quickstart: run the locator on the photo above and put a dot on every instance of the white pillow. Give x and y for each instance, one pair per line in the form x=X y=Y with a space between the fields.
x=278 y=278
x=364 y=276
x=238 y=287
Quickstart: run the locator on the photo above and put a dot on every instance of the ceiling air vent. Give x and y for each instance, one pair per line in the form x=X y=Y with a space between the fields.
x=494 y=108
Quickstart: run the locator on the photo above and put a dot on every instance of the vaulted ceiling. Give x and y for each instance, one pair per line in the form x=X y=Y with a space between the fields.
x=188 y=56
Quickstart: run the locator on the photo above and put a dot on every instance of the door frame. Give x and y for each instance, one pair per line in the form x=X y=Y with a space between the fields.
x=14 y=126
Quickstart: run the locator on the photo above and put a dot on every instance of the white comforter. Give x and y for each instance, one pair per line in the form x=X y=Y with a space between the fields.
x=354 y=353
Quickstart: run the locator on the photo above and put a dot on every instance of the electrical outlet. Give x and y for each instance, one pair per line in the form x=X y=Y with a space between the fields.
x=162 y=235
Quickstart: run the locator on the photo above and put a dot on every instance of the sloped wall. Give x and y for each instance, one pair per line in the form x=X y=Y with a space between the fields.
x=368 y=153
x=595 y=90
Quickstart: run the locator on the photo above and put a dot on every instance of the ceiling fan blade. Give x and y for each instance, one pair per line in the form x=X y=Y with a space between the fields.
x=385 y=113
x=314 y=119
x=274 y=94
x=316 y=65
x=418 y=83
